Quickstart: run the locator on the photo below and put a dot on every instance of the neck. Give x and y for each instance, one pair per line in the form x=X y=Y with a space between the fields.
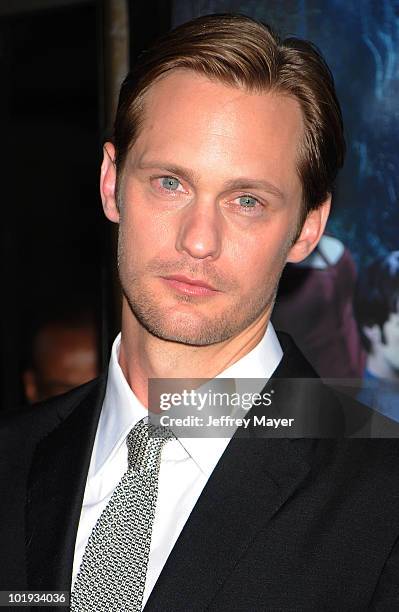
x=143 y=356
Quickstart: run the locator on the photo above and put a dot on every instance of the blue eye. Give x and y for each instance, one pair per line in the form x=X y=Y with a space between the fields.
x=170 y=183
x=247 y=201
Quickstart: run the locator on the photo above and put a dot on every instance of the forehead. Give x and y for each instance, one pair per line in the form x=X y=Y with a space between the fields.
x=205 y=122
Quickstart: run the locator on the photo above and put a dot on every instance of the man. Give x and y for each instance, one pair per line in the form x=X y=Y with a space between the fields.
x=377 y=312
x=227 y=142
x=63 y=355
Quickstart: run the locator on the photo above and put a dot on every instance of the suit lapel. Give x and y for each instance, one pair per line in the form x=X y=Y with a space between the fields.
x=252 y=480
x=55 y=493
x=250 y=483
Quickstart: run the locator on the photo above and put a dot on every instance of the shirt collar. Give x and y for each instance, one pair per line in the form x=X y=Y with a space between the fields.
x=260 y=363
x=122 y=410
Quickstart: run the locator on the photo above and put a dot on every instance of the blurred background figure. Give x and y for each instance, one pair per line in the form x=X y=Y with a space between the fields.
x=63 y=355
x=315 y=305
x=377 y=313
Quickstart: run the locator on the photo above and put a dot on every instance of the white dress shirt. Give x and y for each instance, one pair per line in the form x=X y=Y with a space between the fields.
x=186 y=464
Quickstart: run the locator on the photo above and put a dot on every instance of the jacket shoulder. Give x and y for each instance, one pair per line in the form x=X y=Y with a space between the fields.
x=28 y=424
x=294 y=363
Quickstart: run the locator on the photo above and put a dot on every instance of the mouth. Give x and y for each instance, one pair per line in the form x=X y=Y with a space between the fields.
x=189 y=286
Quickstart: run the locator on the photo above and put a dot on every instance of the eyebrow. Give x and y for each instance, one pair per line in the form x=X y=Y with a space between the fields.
x=246 y=183
x=188 y=175
x=241 y=183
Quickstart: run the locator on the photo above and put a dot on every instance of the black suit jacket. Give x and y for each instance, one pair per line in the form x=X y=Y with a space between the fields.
x=282 y=524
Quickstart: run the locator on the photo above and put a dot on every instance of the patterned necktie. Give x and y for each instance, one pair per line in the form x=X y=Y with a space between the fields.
x=112 y=574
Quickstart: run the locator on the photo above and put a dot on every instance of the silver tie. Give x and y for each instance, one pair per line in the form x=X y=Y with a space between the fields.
x=112 y=574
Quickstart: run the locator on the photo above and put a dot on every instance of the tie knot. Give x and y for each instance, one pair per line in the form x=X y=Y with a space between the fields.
x=144 y=443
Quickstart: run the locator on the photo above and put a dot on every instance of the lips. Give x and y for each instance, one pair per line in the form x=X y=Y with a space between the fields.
x=189 y=281
x=189 y=286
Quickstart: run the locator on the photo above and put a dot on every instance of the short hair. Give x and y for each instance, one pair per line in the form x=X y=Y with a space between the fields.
x=241 y=52
x=377 y=294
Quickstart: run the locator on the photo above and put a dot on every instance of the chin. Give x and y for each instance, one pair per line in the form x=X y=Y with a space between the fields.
x=185 y=322
x=184 y=330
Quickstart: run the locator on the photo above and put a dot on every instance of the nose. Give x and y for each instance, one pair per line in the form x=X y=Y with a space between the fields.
x=200 y=231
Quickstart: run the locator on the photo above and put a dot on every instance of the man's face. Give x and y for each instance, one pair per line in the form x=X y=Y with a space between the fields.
x=209 y=195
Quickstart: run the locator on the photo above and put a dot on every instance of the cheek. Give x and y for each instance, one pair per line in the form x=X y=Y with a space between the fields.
x=140 y=239
x=259 y=259
x=141 y=221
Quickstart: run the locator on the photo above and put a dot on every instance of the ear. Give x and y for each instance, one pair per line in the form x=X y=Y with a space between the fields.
x=108 y=182
x=311 y=232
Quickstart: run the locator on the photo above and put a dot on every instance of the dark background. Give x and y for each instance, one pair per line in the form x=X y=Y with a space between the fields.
x=55 y=244
x=52 y=226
